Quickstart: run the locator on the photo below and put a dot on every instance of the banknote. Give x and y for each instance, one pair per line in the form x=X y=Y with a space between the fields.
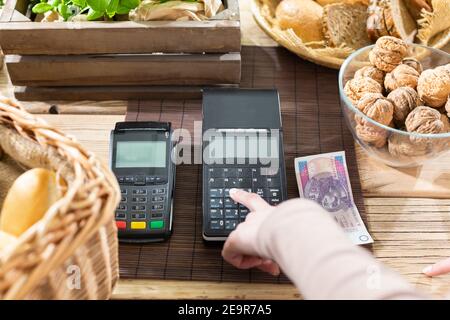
x=324 y=179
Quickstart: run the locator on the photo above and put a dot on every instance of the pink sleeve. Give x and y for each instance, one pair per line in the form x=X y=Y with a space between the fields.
x=317 y=256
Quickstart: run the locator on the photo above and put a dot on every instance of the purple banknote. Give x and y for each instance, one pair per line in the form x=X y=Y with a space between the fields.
x=324 y=179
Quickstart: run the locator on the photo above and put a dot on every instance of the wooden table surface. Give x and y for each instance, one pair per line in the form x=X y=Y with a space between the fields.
x=408 y=209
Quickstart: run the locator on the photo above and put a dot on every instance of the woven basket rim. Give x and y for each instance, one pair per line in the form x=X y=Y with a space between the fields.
x=88 y=204
x=299 y=48
x=324 y=60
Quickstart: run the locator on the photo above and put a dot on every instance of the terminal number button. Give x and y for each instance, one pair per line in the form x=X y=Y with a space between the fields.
x=216 y=224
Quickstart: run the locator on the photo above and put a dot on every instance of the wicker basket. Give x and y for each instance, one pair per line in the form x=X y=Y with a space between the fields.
x=72 y=252
x=319 y=53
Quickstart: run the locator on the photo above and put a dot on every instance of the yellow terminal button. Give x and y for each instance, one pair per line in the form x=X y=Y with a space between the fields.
x=138 y=225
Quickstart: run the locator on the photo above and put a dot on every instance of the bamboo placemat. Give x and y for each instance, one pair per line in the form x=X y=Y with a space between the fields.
x=312 y=124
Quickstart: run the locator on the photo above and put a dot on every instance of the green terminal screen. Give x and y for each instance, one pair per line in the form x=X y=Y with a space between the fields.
x=141 y=154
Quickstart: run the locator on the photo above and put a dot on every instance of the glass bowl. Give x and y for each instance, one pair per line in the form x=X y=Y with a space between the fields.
x=394 y=147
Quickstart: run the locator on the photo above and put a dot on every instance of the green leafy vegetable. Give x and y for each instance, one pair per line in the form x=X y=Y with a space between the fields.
x=163 y=1
x=64 y=11
x=125 y=6
x=122 y=9
x=93 y=9
x=98 y=5
x=94 y=15
x=131 y=4
x=112 y=8
x=79 y=3
x=42 y=7
x=55 y=3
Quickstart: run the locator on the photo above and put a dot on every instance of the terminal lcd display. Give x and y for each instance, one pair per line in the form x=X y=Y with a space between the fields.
x=141 y=154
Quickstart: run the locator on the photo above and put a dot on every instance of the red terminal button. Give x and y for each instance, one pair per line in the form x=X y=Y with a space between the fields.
x=121 y=225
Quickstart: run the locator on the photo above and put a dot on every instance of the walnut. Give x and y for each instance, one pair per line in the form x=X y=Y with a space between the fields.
x=357 y=87
x=401 y=76
x=414 y=63
x=404 y=99
x=372 y=134
x=388 y=53
x=400 y=145
x=376 y=107
x=424 y=120
x=371 y=72
x=434 y=86
x=446 y=122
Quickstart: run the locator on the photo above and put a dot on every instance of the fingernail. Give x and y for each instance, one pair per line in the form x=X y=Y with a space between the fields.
x=427 y=269
x=233 y=191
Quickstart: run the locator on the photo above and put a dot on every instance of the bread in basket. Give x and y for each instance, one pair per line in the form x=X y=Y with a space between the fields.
x=71 y=253
x=347 y=25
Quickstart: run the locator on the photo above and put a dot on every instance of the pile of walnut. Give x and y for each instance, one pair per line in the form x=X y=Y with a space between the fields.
x=416 y=100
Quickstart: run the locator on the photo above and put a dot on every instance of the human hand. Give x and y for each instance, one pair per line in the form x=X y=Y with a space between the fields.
x=240 y=249
x=439 y=268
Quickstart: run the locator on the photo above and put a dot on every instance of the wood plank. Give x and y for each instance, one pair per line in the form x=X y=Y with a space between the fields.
x=100 y=93
x=7 y=11
x=59 y=38
x=379 y=180
x=161 y=289
x=92 y=131
x=141 y=69
x=78 y=107
x=399 y=202
x=19 y=17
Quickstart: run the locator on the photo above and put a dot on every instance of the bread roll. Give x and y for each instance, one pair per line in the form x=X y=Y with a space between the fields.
x=303 y=16
x=28 y=199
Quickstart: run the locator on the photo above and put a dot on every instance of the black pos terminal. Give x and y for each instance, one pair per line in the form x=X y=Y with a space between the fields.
x=242 y=148
x=140 y=155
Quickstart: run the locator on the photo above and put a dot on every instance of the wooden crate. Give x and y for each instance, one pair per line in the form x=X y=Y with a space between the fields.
x=123 y=58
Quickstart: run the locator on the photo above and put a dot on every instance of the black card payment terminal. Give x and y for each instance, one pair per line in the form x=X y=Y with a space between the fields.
x=242 y=148
x=140 y=155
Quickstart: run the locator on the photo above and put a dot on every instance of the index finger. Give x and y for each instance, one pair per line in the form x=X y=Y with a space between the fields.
x=251 y=200
x=438 y=268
